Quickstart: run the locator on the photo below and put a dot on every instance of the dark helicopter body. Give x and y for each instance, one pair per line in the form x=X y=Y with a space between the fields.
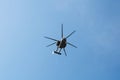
x=61 y=44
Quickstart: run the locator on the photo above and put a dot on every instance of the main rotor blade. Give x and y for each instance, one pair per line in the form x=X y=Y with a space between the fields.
x=50 y=44
x=64 y=51
x=71 y=45
x=50 y=38
x=70 y=34
x=62 y=31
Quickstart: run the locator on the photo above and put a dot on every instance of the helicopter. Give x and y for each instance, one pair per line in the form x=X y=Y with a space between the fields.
x=61 y=44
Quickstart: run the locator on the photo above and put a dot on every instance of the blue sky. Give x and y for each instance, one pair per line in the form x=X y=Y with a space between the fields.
x=24 y=23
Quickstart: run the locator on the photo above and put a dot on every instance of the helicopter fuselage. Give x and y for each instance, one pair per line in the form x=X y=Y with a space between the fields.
x=62 y=43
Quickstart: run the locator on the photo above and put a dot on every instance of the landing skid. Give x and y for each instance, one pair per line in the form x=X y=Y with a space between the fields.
x=57 y=52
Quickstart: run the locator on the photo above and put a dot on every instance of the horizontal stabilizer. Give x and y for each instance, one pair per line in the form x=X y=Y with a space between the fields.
x=57 y=53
